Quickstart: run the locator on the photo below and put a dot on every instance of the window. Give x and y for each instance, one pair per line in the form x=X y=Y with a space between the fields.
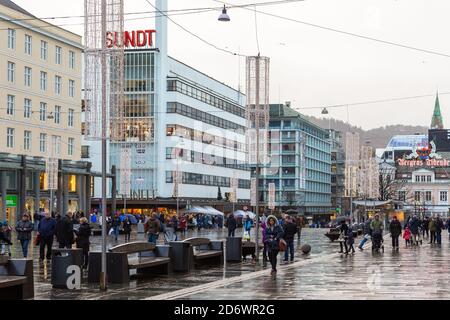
x=28 y=44
x=57 y=85
x=56 y=145
x=417 y=178
x=11 y=39
x=43 y=111
x=417 y=196
x=10 y=106
x=71 y=60
x=58 y=55
x=10 y=137
x=428 y=178
x=85 y=152
x=27 y=75
x=11 y=71
x=27 y=108
x=44 y=50
x=402 y=195
x=427 y=196
x=71 y=88
x=443 y=196
x=43 y=142
x=70 y=146
x=27 y=140
x=70 y=117
x=57 y=114
x=423 y=178
x=43 y=81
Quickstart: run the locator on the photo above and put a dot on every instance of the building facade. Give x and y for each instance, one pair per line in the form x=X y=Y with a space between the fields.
x=300 y=164
x=40 y=114
x=337 y=172
x=185 y=134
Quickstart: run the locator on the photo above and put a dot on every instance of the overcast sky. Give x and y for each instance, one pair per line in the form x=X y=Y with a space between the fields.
x=312 y=67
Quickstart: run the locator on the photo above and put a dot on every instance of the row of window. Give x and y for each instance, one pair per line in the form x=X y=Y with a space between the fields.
x=203 y=158
x=199 y=136
x=318 y=187
x=43 y=111
x=205 y=180
x=184 y=110
x=43 y=82
x=178 y=86
x=313 y=164
x=311 y=197
x=423 y=178
x=426 y=196
x=27 y=142
x=28 y=45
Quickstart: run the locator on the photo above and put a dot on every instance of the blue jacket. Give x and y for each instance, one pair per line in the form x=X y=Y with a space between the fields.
x=47 y=227
x=248 y=225
x=273 y=235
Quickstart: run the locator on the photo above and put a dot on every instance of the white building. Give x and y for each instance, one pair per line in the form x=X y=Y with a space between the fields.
x=178 y=120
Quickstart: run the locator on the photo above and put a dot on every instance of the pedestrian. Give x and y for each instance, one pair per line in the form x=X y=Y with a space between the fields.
x=273 y=235
x=289 y=230
x=350 y=241
x=377 y=227
x=47 y=230
x=183 y=225
x=24 y=228
x=439 y=227
x=66 y=236
x=83 y=240
x=396 y=230
x=58 y=231
x=343 y=235
x=152 y=228
x=432 y=227
x=36 y=219
x=425 y=230
x=263 y=230
x=126 y=225
x=447 y=226
x=5 y=238
x=407 y=236
x=115 y=225
x=247 y=227
x=414 y=226
x=231 y=225
x=367 y=234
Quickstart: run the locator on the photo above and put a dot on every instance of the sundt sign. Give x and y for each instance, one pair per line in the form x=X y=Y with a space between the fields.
x=131 y=39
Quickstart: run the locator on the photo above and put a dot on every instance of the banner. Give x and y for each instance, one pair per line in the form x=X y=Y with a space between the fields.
x=272 y=196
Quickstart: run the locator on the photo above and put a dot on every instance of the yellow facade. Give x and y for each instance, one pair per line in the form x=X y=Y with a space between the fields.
x=55 y=37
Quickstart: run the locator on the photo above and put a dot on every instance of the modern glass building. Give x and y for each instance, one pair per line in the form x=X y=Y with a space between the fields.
x=300 y=164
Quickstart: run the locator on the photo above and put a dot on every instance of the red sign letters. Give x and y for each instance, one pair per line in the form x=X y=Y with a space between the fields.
x=133 y=39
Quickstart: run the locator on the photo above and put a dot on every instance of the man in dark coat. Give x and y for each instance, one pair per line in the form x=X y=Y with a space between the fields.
x=24 y=228
x=439 y=227
x=290 y=229
x=396 y=230
x=231 y=225
x=83 y=235
x=47 y=229
x=414 y=225
x=66 y=237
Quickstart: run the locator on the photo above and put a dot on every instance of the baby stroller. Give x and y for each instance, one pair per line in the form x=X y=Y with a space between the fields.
x=377 y=242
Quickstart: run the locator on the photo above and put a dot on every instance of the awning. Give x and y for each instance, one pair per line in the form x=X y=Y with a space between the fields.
x=241 y=213
x=371 y=203
x=213 y=211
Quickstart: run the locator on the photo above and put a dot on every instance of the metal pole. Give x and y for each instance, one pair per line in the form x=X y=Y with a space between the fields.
x=51 y=201
x=103 y=277
x=257 y=115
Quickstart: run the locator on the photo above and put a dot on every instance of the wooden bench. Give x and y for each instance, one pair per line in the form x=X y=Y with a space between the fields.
x=16 y=279
x=196 y=251
x=249 y=248
x=150 y=259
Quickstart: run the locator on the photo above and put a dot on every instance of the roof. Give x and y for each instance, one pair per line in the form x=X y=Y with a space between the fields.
x=437 y=122
x=12 y=5
x=281 y=110
x=408 y=141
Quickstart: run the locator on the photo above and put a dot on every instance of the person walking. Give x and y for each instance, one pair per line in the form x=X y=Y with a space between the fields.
x=414 y=226
x=289 y=230
x=24 y=228
x=115 y=225
x=152 y=228
x=367 y=234
x=126 y=225
x=83 y=240
x=5 y=238
x=425 y=229
x=350 y=241
x=231 y=225
x=407 y=236
x=247 y=227
x=447 y=226
x=343 y=235
x=273 y=235
x=183 y=225
x=439 y=227
x=396 y=230
x=66 y=236
x=377 y=227
x=263 y=230
x=46 y=231
x=432 y=227
x=36 y=219
x=299 y=222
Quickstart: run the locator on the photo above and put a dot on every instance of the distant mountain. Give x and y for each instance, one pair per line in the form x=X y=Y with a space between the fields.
x=378 y=137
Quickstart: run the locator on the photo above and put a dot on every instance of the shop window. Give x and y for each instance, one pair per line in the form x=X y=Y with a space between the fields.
x=72 y=183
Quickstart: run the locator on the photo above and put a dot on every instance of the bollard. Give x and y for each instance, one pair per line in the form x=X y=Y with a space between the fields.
x=306 y=249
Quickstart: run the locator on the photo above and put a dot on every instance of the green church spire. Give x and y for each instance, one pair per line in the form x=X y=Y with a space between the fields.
x=437 y=122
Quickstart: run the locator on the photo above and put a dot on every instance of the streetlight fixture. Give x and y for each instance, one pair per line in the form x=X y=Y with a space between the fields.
x=224 y=17
x=325 y=111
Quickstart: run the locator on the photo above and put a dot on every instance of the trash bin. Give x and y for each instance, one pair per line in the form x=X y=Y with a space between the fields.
x=62 y=259
x=234 y=249
x=140 y=228
x=181 y=252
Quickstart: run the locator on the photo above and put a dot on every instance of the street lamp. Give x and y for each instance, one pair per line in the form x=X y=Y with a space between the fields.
x=224 y=17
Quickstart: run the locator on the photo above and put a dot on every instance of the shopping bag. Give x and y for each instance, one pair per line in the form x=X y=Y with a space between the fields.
x=37 y=241
x=246 y=236
x=282 y=245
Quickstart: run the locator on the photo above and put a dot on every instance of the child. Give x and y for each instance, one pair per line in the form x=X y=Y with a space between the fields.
x=5 y=237
x=407 y=236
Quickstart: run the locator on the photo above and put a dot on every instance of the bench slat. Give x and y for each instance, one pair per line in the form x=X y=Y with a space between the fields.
x=197 y=241
x=133 y=247
x=11 y=281
x=206 y=254
x=147 y=262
